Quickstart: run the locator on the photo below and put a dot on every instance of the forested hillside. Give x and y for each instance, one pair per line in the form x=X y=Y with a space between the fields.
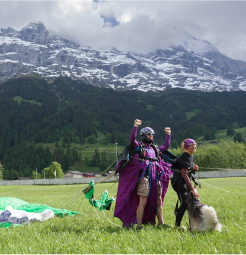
x=34 y=110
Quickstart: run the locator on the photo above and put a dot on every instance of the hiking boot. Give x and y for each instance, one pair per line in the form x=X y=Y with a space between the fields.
x=163 y=225
x=180 y=228
x=139 y=227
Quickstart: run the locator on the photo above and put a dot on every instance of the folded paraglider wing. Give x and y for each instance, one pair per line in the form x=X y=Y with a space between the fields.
x=104 y=203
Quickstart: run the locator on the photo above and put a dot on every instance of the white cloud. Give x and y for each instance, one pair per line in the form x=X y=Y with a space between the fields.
x=143 y=25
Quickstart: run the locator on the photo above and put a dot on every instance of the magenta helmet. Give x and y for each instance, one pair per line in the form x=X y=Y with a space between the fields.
x=188 y=143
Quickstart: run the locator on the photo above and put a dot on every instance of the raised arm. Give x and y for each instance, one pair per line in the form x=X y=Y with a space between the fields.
x=133 y=141
x=167 y=141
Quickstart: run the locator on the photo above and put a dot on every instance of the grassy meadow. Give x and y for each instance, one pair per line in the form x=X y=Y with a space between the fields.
x=18 y=99
x=221 y=135
x=192 y=113
x=98 y=232
x=88 y=149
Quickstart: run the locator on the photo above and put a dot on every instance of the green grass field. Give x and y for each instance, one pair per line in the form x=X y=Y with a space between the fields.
x=18 y=99
x=192 y=113
x=93 y=233
x=81 y=166
x=222 y=135
x=88 y=149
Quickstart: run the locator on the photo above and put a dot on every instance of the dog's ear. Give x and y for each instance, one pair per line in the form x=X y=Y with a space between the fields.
x=190 y=195
x=189 y=198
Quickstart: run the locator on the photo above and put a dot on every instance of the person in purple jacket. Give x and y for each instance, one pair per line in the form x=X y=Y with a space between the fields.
x=143 y=182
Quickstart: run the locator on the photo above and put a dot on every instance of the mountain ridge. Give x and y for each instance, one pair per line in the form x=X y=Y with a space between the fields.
x=34 y=49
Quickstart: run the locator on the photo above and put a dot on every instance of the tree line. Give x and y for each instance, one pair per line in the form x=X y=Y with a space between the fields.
x=29 y=156
x=226 y=154
x=80 y=110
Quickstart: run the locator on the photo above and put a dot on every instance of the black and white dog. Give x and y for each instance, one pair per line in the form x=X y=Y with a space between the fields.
x=202 y=217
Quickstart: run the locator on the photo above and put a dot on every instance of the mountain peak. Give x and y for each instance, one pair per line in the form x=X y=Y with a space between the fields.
x=35 y=32
x=195 y=65
x=34 y=26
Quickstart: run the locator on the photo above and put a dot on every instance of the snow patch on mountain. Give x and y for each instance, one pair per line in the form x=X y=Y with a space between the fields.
x=34 y=49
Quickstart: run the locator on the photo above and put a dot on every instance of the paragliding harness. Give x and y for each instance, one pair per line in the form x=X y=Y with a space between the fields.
x=177 y=165
x=128 y=154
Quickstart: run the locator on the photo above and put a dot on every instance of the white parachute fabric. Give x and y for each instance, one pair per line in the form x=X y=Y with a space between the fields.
x=19 y=214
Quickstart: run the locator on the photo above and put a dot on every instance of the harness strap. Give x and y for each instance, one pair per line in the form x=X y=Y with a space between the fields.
x=142 y=151
x=195 y=179
x=151 y=159
x=183 y=164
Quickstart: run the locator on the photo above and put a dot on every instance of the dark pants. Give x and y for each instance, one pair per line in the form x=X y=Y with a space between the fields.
x=182 y=195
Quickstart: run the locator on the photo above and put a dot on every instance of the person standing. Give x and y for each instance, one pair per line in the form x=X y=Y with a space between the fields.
x=184 y=187
x=143 y=182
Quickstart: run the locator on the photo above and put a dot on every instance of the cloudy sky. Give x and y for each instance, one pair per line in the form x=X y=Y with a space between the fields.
x=137 y=26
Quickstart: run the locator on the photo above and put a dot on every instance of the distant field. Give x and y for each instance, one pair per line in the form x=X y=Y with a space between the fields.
x=87 y=150
x=18 y=99
x=81 y=166
x=222 y=135
x=91 y=148
x=192 y=113
x=97 y=232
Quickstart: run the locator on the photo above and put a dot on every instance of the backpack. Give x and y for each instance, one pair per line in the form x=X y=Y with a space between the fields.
x=128 y=152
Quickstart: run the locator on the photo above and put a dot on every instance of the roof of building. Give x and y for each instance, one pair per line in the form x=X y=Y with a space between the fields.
x=213 y=142
x=85 y=173
x=73 y=172
x=22 y=178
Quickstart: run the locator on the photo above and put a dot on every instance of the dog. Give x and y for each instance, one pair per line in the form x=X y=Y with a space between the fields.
x=201 y=216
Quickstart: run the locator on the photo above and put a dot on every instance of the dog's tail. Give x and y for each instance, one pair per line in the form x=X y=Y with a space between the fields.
x=210 y=218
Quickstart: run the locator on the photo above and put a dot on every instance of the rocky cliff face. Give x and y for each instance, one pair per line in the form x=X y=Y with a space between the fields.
x=34 y=49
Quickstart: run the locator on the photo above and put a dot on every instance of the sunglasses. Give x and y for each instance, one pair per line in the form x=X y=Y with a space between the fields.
x=189 y=144
x=149 y=134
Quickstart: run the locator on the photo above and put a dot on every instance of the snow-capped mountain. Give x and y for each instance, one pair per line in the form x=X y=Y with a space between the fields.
x=34 y=49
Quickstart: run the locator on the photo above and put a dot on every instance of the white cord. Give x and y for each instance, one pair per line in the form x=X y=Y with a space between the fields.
x=104 y=215
x=97 y=213
x=214 y=186
x=110 y=221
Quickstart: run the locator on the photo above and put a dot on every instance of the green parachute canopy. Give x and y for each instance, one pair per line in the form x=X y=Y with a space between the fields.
x=103 y=203
x=14 y=202
x=18 y=204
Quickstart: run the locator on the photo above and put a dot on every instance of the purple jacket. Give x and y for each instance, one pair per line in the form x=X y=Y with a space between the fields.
x=127 y=199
